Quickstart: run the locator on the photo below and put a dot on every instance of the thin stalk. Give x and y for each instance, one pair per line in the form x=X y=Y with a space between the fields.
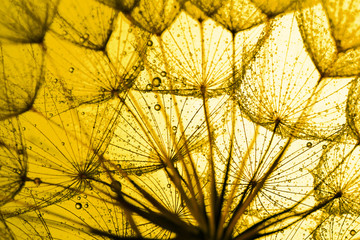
x=214 y=198
x=199 y=210
x=188 y=177
x=147 y=128
x=253 y=232
x=164 y=218
x=277 y=122
x=158 y=218
x=240 y=209
x=213 y=193
x=220 y=216
x=239 y=173
x=242 y=206
x=149 y=198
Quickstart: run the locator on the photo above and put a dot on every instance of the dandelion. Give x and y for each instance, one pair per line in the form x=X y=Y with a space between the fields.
x=175 y=119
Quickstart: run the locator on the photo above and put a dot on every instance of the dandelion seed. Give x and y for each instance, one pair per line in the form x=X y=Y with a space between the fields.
x=102 y=78
x=58 y=170
x=71 y=16
x=21 y=71
x=233 y=15
x=194 y=11
x=249 y=165
x=338 y=171
x=352 y=109
x=273 y=8
x=313 y=113
x=122 y=5
x=328 y=29
x=155 y=15
x=334 y=227
x=13 y=160
x=26 y=22
x=193 y=62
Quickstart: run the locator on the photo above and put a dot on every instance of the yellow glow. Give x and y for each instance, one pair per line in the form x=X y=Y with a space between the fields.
x=174 y=119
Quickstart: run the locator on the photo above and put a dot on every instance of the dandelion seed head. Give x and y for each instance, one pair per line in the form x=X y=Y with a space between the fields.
x=167 y=119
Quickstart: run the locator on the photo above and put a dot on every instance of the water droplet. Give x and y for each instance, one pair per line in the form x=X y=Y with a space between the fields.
x=71 y=69
x=138 y=173
x=309 y=144
x=156 y=82
x=149 y=43
x=324 y=146
x=148 y=87
x=84 y=38
x=78 y=198
x=168 y=185
x=78 y=205
x=115 y=186
x=352 y=232
x=174 y=128
x=163 y=74
x=37 y=181
x=157 y=107
x=86 y=205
